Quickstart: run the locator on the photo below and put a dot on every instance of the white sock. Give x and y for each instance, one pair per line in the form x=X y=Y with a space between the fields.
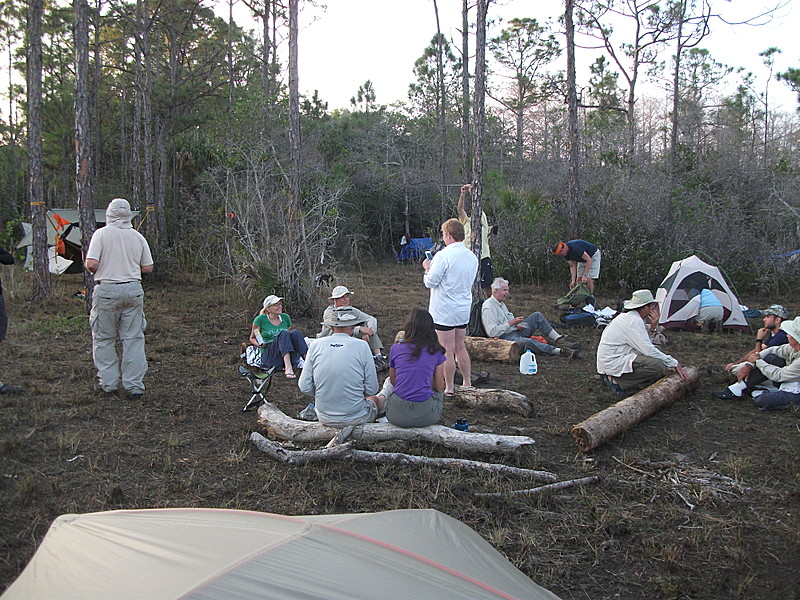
x=737 y=388
x=554 y=335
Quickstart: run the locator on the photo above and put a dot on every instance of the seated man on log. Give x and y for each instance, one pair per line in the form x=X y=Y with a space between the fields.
x=626 y=358
x=771 y=334
x=340 y=296
x=340 y=374
x=499 y=322
x=781 y=365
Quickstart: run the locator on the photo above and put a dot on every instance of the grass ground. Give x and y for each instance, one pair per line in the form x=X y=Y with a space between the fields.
x=67 y=448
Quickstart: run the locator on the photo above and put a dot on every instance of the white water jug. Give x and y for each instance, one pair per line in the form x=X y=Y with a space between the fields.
x=527 y=363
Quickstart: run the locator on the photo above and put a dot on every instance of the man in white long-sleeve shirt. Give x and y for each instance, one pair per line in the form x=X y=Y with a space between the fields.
x=625 y=356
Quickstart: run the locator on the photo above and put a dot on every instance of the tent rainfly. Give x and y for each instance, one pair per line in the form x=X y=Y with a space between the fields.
x=678 y=295
x=63 y=239
x=192 y=553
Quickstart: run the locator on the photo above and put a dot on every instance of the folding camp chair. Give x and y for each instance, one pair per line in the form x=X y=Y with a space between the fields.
x=259 y=382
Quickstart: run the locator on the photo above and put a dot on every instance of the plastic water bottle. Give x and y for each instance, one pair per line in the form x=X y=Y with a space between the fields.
x=461 y=425
x=527 y=363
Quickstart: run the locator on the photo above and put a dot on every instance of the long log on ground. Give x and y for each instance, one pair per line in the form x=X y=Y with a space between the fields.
x=609 y=423
x=494 y=398
x=284 y=427
x=347 y=452
x=485 y=349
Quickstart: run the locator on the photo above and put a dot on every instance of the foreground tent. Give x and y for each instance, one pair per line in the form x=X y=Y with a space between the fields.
x=679 y=299
x=229 y=554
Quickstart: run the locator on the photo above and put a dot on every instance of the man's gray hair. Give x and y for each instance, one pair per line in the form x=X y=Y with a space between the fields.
x=498 y=283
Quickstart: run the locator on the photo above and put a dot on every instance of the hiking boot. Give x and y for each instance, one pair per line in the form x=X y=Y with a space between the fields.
x=381 y=363
x=137 y=395
x=569 y=353
x=10 y=389
x=614 y=387
x=564 y=342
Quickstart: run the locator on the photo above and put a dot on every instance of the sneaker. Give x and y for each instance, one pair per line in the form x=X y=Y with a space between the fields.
x=137 y=395
x=10 y=389
x=381 y=364
x=726 y=394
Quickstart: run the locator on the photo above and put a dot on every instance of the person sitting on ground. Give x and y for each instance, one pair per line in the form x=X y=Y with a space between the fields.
x=340 y=374
x=768 y=336
x=499 y=322
x=626 y=358
x=583 y=259
x=781 y=365
x=341 y=296
x=416 y=370
x=281 y=346
x=710 y=312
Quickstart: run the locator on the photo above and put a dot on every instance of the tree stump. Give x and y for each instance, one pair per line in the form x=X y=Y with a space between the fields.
x=495 y=399
x=609 y=423
x=485 y=349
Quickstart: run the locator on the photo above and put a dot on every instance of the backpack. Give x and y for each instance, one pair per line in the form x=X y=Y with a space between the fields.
x=576 y=317
x=475 y=326
x=578 y=296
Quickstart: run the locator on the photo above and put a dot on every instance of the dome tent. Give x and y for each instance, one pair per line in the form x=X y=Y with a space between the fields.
x=679 y=299
x=216 y=553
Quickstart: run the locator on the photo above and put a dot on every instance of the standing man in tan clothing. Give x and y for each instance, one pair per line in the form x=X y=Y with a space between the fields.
x=118 y=255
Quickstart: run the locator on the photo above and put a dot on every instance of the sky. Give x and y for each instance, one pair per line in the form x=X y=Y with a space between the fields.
x=350 y=41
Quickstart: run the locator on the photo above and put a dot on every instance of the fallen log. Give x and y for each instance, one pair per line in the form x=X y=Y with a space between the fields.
x=609 y=423
x=347 y=452
x=485 y=349
x=494 y=398
x=281 y=426
x=559 y=485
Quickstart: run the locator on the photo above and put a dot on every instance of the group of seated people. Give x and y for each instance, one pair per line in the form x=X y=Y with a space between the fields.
x=340 y=366
x=627 y=359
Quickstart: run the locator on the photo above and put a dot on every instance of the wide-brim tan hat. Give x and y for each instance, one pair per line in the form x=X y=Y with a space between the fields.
x=339 y=291
x=792 y=328
x=638 y=299
x=343 y=316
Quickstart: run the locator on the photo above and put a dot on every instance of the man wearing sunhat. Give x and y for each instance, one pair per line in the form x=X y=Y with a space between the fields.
x=118 y=255
x=340 y=374
x=341 y=296
x=626 y=358
x=781 y=365
x=768 y=336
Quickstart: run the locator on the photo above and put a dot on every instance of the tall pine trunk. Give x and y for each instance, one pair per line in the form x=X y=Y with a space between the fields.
x=83 y=139
x=41 y=267
x=479 y=121
x=573 y=170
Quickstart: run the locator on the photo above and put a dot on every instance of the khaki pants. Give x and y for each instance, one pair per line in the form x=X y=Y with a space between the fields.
x=646 y=370
x=118 y=311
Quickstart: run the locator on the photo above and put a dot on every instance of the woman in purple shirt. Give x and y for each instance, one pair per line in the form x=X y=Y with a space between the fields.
x=417 y=373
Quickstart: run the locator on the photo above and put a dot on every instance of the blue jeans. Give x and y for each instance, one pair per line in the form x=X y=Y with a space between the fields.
x=292 y=342
x=533 y=322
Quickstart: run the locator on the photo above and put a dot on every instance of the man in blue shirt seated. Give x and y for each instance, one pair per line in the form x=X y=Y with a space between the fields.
x=583 y=259
x=768 y=336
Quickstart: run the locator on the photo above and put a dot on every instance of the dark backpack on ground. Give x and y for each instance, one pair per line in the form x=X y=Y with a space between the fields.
x=576 y=317
x=475 y=327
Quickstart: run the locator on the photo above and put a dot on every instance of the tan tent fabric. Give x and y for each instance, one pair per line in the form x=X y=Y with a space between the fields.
x=196 y=553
